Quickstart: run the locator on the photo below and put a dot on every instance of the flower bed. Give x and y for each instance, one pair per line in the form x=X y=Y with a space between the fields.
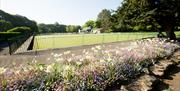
x=93 y=69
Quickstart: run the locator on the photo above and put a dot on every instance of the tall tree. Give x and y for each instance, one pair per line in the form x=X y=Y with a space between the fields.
x=167 y=14
x=104 y=19
x=164 y=13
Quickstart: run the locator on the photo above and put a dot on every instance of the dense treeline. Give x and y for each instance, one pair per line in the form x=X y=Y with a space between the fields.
x=57 y=28
x=15 y=25
x=142 y=15
x=8 y=21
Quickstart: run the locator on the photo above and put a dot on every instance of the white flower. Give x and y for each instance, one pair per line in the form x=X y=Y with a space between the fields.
x=86 y=53
x=81 y=59
x=106 y=51
x=2 y=70
x=34 y=61
x=41 y=68
x=55 y=55
x=117 y=52
x=78 y=63
x=67 y=67
x=109 y=59
x=98 y=47
x=102 y=61
x=60 y=54
x=84 y=50
x=52 y=53
x=67 y=52
x=49 y=69
x=69 y=60
x=59 y=59
x=92 y=48
x=88 y=57
x=73 y=54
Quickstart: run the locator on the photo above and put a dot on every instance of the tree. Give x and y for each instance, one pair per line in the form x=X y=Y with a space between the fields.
x=18 y=21
x=90 y=23
x=167 y=14
x=5 y=25
x=72 y=28
x=163 y=13
x=104 y=19
x=52 y=28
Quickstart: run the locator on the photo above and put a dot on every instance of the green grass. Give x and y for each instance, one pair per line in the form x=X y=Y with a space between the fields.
x=69 y=40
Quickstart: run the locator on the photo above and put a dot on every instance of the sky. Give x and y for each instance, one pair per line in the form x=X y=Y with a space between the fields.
x=70 y=12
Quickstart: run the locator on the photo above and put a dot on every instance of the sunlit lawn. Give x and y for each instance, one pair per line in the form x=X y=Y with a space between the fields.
x=69 y=40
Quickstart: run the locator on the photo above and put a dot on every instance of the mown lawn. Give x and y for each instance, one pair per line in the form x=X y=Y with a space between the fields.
x=69 y=40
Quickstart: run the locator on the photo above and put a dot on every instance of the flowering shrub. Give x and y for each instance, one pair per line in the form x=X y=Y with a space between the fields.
x=93 y=69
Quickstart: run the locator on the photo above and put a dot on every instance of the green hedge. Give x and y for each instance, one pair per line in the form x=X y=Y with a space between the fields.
x=7 y=35
x=24 y=30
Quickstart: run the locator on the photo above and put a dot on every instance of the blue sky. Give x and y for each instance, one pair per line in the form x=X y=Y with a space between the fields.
x=75 y=12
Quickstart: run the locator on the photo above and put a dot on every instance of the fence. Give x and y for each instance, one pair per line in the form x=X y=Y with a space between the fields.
x=16 y=42
x=70 y=40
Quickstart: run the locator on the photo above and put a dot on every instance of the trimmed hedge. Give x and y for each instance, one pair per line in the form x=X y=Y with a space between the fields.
x=6 y=35
x=21 y=30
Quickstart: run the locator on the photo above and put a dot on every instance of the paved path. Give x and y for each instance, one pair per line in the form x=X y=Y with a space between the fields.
x=43 y=55
x=4 y=48
x=174 y=78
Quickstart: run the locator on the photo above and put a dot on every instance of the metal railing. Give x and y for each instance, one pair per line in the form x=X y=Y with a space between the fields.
x=70 y=40
x=15 y=42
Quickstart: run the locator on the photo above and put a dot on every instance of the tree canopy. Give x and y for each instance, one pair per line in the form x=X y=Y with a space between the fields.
x=17 y=21
x=158 y=15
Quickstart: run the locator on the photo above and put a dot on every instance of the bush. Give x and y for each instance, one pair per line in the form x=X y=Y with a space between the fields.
x=24 y=30
x=6 y=35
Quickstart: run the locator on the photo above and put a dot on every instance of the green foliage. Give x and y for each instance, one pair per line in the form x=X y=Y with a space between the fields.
x=90 y=23
x=97 y=24
x=139 y=28
x=5 y=25
x=52 y=28
x=57 y=28
x=104 y=20
x=23 y=30
x=72 y=28
x=6 y=35
x=153 y=15
x=18 y=21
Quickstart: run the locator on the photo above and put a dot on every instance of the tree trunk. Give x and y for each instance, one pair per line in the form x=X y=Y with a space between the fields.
x=169 y=29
